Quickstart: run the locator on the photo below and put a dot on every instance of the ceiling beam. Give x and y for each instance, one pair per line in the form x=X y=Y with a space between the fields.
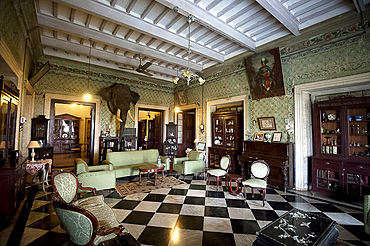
x=276 y=9
x=211 y=22
x=132 y=22
x=81 y=31
x=104 y=55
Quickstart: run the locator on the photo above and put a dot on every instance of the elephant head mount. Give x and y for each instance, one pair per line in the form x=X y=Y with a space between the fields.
x=119 y=97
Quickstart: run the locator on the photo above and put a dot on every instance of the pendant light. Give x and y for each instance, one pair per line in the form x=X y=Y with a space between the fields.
x=87 y=96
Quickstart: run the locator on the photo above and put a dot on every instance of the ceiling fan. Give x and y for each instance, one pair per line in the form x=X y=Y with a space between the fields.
x=142 y=68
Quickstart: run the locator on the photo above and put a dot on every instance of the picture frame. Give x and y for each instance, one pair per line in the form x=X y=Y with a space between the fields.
x=276 y=137
x=201 y=146
x=266 y=123
x=258 y=137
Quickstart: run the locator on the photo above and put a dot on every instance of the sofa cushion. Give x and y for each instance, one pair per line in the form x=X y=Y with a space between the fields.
x=195 y=156
x=132 y=157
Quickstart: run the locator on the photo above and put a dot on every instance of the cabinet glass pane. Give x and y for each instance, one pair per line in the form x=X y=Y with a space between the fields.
x=330 y=132
x=359 y=137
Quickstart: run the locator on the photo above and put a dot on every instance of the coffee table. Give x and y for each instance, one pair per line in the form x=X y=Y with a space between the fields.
x=236 y=177
x=298 y=228
x=151 y=168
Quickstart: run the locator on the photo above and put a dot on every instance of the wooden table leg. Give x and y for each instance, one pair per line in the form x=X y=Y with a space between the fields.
x=155 y=178
x=162 y=175
x=140 y=177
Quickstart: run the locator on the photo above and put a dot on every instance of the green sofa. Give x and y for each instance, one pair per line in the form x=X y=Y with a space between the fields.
x=100 y=177
x=189 y=165
x=127 y=163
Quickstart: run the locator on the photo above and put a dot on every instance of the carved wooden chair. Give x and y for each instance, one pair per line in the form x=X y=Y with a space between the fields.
x=88 y=221
x=259 y=172
x=225 y=163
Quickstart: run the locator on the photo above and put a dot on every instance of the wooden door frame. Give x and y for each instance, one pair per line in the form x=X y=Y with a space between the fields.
x=166 y=115
x=95 y=119
x=213 y=103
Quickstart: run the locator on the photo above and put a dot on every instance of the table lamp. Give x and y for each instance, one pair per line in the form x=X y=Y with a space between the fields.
x=33 y=145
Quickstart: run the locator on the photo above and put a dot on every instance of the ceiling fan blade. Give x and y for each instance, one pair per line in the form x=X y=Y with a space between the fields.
x=147 y=73
x=146 y=65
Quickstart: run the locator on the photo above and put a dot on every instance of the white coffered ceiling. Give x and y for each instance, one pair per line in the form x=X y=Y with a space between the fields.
x=121 y=30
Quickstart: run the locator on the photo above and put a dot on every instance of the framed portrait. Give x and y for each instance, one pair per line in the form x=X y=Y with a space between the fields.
x=182 y=98
x=258 y=137
x=265 y=76
x=201 y=146
x=266 y=123
x=276 y=137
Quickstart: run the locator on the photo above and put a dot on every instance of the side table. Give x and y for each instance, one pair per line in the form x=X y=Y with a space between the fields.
x=150 y=168
x=33 y=167
x=236 y=177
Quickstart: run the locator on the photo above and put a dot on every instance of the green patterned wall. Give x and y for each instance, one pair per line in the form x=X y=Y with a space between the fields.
x=10 y=30
x=328 y=59
x=73 y=81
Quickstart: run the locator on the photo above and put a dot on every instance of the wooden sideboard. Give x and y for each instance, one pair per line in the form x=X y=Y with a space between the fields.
x=279 y=156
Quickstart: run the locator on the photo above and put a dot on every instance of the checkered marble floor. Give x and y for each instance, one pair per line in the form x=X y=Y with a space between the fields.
x=197 y=214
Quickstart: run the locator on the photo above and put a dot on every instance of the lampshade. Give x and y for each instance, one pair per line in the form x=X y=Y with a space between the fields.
x=33 y=144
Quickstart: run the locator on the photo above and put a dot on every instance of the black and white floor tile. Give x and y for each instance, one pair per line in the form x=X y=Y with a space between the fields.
x=197 y=214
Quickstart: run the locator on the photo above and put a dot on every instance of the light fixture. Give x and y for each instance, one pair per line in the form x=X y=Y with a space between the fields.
x=33 y=145
x=177 y=109
x=176 y=79
x=188 y=74
x=87 y=96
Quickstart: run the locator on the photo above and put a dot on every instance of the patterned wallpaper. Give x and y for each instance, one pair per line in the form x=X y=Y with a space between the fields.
x=71 y=81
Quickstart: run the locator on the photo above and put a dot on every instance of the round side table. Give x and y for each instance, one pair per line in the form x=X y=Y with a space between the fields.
x=236 y=177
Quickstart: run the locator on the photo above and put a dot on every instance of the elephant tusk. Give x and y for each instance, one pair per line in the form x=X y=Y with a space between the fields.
x=118 y=115
x=132 y=118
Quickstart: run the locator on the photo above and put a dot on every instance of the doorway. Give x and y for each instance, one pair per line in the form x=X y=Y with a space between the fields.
x=150 y=129
x=186 y=122
x=72 y=125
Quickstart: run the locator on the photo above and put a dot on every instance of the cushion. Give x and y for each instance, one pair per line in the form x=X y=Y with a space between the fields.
x=195 y=156
x=257 y=183
x=259 y=170
x=66 y=185
x=103 y=213
x=224 y=163
x=217 y=172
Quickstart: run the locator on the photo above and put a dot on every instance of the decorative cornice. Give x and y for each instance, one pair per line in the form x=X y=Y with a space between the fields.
x=326 y=38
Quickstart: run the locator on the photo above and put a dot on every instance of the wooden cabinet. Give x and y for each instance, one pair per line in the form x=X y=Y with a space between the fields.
x=341 y=161
x=170 y=146
x=39 y=129
x=66 y=130
x=108 y=144
x=226 y=134
x=12 y=189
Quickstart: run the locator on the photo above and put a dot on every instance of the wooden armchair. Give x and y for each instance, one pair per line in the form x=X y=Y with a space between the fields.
x=88 y=221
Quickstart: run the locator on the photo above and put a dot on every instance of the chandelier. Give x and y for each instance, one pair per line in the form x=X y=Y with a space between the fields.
x=188 y=74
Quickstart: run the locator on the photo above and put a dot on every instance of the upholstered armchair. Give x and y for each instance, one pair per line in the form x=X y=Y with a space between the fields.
x=367 y=213
x=194 y=163
x=100 y=177
x=88 y=221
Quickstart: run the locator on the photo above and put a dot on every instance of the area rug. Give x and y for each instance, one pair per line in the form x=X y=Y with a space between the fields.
x=147 y=186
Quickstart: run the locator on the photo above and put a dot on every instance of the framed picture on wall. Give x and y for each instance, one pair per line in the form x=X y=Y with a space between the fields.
x=201 y=146
x=276 y=137
x=266 y=123
x=258 y=137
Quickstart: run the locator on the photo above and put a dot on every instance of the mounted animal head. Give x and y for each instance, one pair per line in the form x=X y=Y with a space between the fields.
x=119 y=97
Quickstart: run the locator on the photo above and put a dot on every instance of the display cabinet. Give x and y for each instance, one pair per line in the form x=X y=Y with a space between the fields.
x=170 y=146
x=39 y=129
x=108 y=144
x=341 y=161
x=226 y=134
x=66 y=130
